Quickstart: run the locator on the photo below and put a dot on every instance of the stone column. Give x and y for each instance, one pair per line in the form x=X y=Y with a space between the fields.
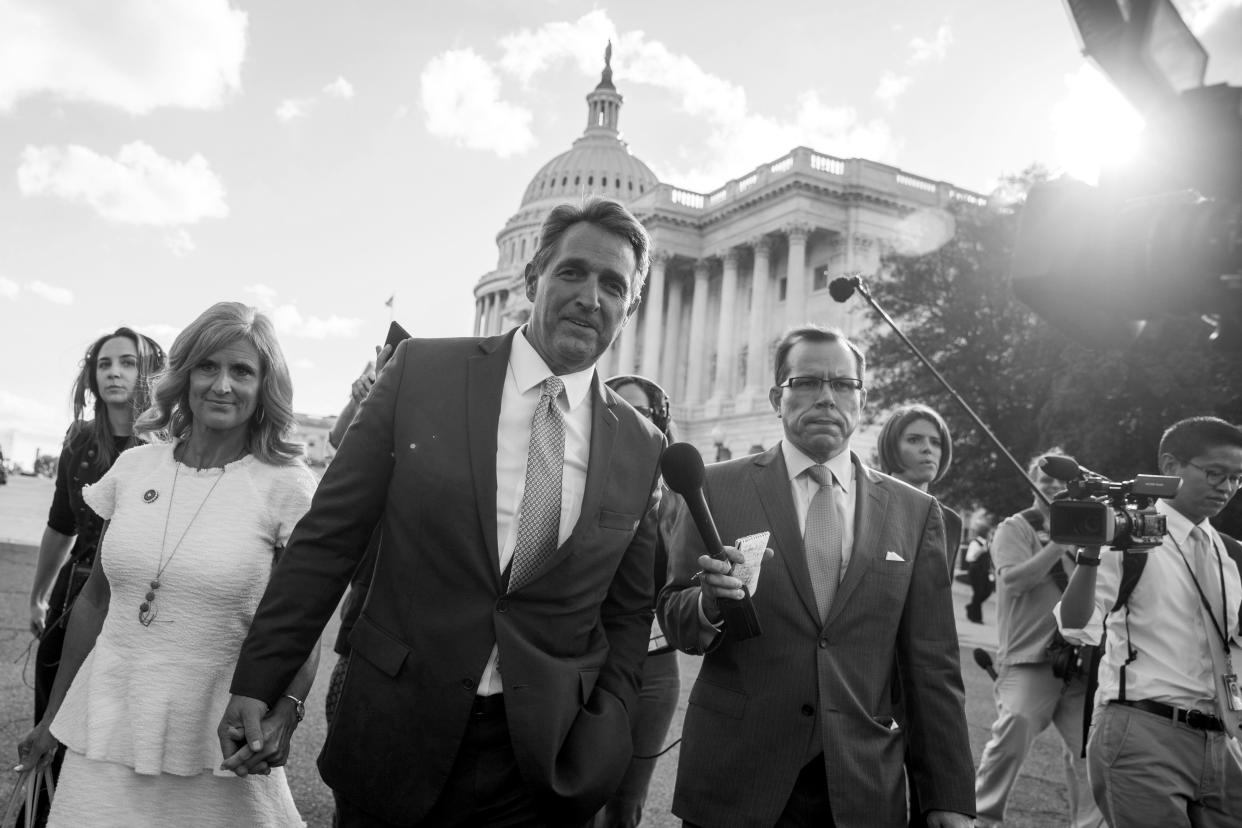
x=627 y=345
x=698 y=334
x=795 y=275
x=726 y=363
x=757 y=369
x=670 y=362
x=478 y=317
x=654 y=313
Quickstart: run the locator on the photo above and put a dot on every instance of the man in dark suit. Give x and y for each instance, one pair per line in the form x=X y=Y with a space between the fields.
x=498 y=653
x=797 y=726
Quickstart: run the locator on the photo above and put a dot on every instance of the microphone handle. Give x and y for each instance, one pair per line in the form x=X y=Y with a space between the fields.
x=740 y=618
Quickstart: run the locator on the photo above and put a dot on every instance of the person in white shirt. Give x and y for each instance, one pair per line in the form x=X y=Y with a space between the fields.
x=1163 y=743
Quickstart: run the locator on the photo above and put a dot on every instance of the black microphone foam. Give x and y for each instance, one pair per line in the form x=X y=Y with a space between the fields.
x=1060 y=468
x=984 y=659
x=843 y=287
x=682 y=467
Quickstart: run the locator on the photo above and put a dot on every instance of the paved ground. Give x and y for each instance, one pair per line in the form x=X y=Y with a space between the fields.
x=1038 y=799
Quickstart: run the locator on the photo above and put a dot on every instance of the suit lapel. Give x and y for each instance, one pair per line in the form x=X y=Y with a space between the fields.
x=870 y=506
x=485 y=380
x=770 y=476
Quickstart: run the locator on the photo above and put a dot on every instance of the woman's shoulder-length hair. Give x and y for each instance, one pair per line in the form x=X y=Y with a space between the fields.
x=222 y=324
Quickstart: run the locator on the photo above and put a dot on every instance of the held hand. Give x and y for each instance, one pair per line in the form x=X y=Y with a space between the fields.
x=36 y=749
x=241 y=733
x=382 y=355
x=277 y=727
x=716 y=582
x=361 y=387
x=38 y=616
x=948 y=819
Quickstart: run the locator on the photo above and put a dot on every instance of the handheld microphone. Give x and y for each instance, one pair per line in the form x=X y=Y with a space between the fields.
x=843 y=287
x=984 y=659
x=682 y=467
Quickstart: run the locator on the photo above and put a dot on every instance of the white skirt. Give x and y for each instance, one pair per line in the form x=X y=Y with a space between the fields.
x=107 y=794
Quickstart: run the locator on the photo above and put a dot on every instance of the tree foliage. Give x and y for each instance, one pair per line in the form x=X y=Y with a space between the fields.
x=1032 y=386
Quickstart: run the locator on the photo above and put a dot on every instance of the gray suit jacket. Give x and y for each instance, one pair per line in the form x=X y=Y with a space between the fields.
x=763 y=707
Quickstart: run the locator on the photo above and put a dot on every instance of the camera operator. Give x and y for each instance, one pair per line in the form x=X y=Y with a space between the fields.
x=1031 y=572
x=1165 y=725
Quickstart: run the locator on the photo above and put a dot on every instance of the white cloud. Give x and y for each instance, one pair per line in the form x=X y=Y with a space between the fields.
x=339 y=88
x=53 y=294
x=1201 y=15
x=24 y=414
x=288 y=320
x=891 y=87
x=161 y=332
x=130 y=54
x=526 y=53
x=8 y=288
x=180 y=243
x=291 y=109
x=922 y=50
x=461 y=102
x=139 y=186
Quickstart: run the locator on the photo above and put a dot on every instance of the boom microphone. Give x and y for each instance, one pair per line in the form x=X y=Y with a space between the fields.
x=682 y=467
x=843 y=287
x=984 y=659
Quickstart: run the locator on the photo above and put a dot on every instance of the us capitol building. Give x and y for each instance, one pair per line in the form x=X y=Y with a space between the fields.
x=731 y=269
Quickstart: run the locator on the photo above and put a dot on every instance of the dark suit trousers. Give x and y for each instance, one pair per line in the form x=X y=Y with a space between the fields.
x=808 y=805
x=484 y=789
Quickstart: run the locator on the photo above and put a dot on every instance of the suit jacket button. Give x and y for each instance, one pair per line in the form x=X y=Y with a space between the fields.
x=808 y=710
x=468 y=683
x=823 y=643
x=502 y=605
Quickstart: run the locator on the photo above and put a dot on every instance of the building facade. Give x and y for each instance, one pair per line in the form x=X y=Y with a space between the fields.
x=731 y=269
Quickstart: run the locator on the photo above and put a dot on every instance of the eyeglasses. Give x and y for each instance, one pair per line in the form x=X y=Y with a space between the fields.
x=644 y=410
x=813 y=386
x=1215 y=477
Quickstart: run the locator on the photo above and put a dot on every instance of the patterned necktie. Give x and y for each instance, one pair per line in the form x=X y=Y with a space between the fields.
x=822 y=541
x=539 y=518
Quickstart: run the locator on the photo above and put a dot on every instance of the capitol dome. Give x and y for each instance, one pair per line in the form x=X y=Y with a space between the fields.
x=598 y=163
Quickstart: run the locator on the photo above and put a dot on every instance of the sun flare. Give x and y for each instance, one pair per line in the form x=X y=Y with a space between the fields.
x=1095 y=127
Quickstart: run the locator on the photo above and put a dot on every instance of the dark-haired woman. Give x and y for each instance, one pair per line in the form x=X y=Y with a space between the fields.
x=112 y=384
x=915 y=447
x=657 y=701
x=194 y=524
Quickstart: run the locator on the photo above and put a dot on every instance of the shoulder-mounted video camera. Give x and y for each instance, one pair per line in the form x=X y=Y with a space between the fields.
x=1096 y=511
x=1164 y=235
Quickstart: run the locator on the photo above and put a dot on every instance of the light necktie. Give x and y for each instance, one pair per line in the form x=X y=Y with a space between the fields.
x=1207 y=572
x=822 y=540
x=539 y=518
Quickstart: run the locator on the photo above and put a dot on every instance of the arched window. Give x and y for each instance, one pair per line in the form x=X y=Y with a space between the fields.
x=591 y=181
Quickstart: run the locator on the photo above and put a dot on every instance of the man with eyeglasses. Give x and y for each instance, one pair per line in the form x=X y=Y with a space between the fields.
x=798 y=725
x=1163 y=748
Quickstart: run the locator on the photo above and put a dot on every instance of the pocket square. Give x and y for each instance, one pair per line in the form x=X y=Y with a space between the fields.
x=893 y=556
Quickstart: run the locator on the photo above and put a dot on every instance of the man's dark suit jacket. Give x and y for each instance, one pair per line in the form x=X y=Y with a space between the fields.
x=763 y=707
x=422 y=451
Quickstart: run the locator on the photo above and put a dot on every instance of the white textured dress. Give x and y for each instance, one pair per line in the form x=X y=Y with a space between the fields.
x=139 y=720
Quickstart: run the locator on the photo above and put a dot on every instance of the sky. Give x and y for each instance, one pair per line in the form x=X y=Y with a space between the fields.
x=315 y=157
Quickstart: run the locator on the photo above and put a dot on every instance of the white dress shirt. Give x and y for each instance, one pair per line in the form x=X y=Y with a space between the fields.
x=518 y=401
x=803 y=489
x=1166 y=623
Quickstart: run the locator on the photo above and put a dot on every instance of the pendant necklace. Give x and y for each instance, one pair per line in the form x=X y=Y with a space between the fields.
x=147 y=609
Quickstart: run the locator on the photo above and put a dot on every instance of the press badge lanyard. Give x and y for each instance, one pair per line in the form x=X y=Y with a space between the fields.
x=1232 y=691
